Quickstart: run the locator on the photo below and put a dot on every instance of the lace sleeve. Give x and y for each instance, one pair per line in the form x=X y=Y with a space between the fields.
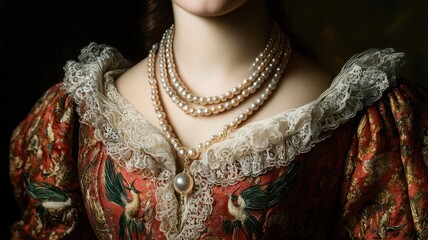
x=43 y=171
x=386 y=179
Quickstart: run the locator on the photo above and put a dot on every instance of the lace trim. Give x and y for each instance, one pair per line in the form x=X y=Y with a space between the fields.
x=360 y=83
x=251 y=150
x=129 y=139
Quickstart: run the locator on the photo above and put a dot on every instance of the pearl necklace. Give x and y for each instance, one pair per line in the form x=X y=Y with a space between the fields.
x=263 y=64
x=175 y=84
x=183 y=182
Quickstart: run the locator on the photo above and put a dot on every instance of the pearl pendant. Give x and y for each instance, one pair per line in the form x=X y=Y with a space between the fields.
x=183 y=183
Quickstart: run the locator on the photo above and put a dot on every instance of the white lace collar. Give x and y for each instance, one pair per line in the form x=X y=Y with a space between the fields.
x=139 y=146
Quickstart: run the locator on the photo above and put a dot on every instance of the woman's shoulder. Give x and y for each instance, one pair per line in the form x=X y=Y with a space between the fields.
x=367 y=75
x=390 y=101
x=133 y=85
x=363 y=78
x=87 y=79
x=93 y=62
x=306 y=77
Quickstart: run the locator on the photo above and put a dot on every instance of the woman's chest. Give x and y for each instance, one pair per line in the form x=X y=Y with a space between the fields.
x=246 y=198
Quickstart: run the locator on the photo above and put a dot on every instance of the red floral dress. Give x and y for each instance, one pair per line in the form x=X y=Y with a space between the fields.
x=353 y=164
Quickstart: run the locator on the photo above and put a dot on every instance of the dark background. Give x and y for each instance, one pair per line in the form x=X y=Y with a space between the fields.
x=38 y=37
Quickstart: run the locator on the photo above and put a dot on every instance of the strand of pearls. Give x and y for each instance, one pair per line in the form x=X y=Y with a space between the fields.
x=219 y=107
x=183 y=182
x=258 y=74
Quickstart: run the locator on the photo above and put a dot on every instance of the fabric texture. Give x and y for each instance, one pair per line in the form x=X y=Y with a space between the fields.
x=351 y=164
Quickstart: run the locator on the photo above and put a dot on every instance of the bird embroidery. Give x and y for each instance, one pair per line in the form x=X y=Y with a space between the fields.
x=257 y=198
x=129 y=223
x=51 y=200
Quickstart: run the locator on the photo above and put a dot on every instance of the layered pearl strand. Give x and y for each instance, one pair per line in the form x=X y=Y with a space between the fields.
x=175 y=84
x=269 y=64
x=182 y=96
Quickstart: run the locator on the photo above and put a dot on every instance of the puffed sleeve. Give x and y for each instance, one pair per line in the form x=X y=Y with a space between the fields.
x=43 y=171
x=385 y=192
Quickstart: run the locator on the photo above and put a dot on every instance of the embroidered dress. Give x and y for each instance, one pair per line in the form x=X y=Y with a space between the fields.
x=351 y=164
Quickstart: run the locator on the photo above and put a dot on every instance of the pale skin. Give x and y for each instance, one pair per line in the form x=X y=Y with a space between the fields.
x=215 y=42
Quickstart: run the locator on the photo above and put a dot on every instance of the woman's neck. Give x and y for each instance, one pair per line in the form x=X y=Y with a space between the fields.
x=219 y=49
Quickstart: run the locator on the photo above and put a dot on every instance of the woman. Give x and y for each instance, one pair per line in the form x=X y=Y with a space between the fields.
x=191 y=143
